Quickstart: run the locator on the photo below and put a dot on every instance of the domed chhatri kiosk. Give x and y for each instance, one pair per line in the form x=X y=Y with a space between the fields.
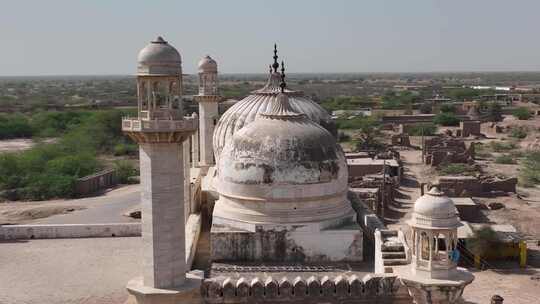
x=433 y=275
x=282 y=183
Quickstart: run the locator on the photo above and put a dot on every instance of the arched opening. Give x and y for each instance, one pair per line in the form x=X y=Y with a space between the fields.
x=174 y=91
x=161 y=95
x=424 y=246
x=142 y=95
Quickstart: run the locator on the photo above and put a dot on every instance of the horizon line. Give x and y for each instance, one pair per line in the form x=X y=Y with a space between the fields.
x=290 y=73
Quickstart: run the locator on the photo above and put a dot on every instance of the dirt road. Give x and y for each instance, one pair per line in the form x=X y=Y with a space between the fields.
x=106 y=208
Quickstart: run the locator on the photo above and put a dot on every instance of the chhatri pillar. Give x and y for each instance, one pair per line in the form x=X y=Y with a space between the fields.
x=208 y=99
x=160 y=130
x=433 y=276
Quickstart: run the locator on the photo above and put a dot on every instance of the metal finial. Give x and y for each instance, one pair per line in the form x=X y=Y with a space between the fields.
x=282 y=85
x=276 y=64
x=270 y=66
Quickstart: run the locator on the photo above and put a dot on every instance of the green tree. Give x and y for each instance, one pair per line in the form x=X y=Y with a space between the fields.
x=47 y=186
x=494 y=112
x=14 y=126
x=425 y=129
x=368 y=133
x=522 y=113
x=457 y=169
x=446 y=119
x=398 y=100
x=530 y=169
x=505 y=160
x=426 y=108
x=518 y=132
x=448 y=108
x=124 y=170
x=484 y=240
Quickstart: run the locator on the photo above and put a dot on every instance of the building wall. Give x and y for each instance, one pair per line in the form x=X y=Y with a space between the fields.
x=287 y=245
x=15 y=232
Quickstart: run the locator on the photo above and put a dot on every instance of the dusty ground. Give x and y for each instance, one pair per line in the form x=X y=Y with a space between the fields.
x=522 y=212
x=12 y=145
x=59 y=271
x=19 y=144
x=108 y=207
x=17 y=213
x=513 y=284
x=399 y=212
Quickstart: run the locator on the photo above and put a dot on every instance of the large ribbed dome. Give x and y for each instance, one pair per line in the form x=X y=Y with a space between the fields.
x=282 y=168
x=245 y=111
x=281 y=147
x=159 y=58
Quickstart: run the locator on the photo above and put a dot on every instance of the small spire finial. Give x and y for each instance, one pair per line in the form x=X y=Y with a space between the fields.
x=282 y=85
x=159 y=40
x=276 y=64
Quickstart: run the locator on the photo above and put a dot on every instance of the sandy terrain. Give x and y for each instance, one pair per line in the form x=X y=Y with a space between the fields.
x=12 y=145
x=515 y=285
x=523 y=214
x=19 y=144
x=518 y=286
x=109 y=207
x=56 y=271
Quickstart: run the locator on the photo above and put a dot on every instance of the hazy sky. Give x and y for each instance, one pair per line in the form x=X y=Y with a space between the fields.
x=103 y=36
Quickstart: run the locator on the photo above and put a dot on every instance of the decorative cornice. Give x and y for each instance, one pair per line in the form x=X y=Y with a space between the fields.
x=324 y=289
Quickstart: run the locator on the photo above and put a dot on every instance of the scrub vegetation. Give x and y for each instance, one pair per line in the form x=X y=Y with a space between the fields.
x=49 y=170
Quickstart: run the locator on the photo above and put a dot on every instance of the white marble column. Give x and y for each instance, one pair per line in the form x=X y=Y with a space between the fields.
x=187 y=182
x=163 y=228
x=208 y=112
x=195 y=149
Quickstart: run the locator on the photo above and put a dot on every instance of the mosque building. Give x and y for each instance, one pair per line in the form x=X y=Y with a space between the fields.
x=252 y=206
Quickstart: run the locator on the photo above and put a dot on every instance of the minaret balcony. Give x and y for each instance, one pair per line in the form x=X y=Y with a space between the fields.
x=207 y=98
x=134 y=124
x=159 y=131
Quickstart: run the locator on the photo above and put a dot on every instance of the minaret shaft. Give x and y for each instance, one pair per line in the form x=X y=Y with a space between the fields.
x=208 y=99
x=163 y=227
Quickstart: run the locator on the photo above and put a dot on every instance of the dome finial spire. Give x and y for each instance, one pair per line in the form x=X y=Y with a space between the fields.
x=276 y=64
x=282 y=85
x=159 y=40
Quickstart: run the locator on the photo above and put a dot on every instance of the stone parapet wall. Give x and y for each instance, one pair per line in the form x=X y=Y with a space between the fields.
x=93 y=183
x=15 y=232
x=339 y=289
x=465 y=186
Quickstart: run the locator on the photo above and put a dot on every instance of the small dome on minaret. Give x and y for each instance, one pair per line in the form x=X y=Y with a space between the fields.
x=159 y=58
x=207 y=65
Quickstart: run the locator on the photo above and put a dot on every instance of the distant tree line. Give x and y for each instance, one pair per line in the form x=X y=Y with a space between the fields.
x=50 y=170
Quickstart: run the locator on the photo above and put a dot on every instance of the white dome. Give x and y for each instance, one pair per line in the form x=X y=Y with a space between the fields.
x=282 y=147
x=207 y=65
x=159 y=58
x=246 y=110
x=283 y=168
x=434 y=210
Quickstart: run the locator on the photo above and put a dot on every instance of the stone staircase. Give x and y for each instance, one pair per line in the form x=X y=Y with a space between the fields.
x=393 y=251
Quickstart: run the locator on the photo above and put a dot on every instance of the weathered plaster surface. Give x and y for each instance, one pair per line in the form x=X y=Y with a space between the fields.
x=302 y=243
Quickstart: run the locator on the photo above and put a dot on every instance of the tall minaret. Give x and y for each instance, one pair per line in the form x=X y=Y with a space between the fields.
x=208 y=99
x=160 y=130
